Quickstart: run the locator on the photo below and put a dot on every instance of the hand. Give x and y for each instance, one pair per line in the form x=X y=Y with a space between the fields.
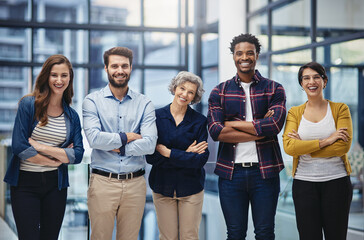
x=55 y=163
x=197 y=148
x=341 y=133
x=70 y=146
x=117 y=150
x=270 y=113
x=163 y=150
x=35 y=144
x=133 y=136
x=294 y=134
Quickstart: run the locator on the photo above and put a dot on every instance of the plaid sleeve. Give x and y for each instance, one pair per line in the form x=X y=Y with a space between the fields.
x=215 y=115
x=273 y=125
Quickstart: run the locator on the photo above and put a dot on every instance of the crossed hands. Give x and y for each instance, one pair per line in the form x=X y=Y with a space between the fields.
x=341 y=133
x=131 y=137
x=197 y=147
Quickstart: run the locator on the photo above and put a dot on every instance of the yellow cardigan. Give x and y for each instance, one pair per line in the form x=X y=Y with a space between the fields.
x=295 y=148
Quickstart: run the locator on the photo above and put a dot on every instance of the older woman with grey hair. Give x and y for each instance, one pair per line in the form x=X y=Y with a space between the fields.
x=177 y=176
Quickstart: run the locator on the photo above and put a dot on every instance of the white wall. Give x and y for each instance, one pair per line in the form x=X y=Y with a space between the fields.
x=231 y=23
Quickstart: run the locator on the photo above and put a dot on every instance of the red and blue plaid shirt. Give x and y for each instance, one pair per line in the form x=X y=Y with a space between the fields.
x=227 y=103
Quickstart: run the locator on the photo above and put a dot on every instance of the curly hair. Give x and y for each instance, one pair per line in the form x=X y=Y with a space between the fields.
x=247 y=37
x=183 y=77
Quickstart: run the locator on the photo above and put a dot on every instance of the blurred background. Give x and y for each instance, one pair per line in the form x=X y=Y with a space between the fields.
x=168 y=36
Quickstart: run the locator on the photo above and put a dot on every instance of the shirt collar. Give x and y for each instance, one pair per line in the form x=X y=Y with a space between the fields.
x=166 y=113
x=107 y=93
x=255 y=79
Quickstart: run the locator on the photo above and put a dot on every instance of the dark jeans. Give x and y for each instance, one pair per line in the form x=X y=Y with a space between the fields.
x=38 y=206
x=322 y=206
x=247 y=186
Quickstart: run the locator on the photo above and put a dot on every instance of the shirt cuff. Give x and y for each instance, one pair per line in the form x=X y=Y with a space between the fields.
x=124 y=140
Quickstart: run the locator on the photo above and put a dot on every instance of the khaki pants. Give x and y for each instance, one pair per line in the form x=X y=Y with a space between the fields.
x=109 y=198
x=178 y=217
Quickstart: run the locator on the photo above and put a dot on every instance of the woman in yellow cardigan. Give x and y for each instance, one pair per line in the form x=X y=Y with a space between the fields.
x=318 y=135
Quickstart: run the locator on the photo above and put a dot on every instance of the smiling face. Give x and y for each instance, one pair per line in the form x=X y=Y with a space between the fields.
x=118 y=71
x=59 y=78
x=245 y=58
x=185 y=93
x=313 y=83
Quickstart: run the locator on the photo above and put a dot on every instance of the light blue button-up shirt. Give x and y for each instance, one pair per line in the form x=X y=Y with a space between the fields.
x=105 y=117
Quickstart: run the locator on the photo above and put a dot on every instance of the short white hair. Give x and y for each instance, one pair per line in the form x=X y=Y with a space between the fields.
x=183 y=77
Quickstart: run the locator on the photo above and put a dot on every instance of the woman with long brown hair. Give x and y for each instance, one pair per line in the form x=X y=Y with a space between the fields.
x=46 y=138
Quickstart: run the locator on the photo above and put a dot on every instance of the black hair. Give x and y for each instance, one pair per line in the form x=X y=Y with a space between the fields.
x=245 y=37
x=314 y=66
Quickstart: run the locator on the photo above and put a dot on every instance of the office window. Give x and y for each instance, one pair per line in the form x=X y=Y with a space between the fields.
x=258 y=26
x=161 y=48
x=291 y=25
x=70 y=43
x=14 y=44
x=101 y=41
x=348 y=53
x=156 y=86
x=212 y=7
x=18 y=10
x=341 y=18
x=121 y=12
x=162 y=13
x=66 y=11
x=256 y=4
x=209 y=44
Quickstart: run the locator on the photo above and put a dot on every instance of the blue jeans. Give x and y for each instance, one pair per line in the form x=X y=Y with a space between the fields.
x=247 y=186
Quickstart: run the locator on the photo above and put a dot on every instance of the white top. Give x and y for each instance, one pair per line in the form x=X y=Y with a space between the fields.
x=246 y=151
x=52 y=134
x=319 y=169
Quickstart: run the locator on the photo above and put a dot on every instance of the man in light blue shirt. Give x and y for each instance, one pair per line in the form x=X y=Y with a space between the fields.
x=120 y=127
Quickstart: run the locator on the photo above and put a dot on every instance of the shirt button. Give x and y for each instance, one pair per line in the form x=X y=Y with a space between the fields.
x=243 y=116
x=244 y=100
x=120 y=117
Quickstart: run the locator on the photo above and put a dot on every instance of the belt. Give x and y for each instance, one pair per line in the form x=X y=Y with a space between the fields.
x=246 y=164
x=120 y=176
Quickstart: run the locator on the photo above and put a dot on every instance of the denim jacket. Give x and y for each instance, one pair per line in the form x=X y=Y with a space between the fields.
x=24 y=124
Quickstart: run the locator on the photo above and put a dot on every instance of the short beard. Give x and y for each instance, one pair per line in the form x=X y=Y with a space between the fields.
x=118 y=85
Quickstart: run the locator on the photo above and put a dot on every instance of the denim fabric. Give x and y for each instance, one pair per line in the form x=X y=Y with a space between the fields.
x=23 y=127
x=247 y=186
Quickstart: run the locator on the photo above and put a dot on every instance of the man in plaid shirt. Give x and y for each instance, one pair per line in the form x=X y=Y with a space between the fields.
x=245 y=114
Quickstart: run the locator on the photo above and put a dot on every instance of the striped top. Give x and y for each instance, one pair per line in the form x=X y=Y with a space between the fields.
x=52 y=134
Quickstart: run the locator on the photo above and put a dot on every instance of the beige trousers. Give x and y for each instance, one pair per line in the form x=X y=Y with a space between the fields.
x=109 y=198
x=178 y=217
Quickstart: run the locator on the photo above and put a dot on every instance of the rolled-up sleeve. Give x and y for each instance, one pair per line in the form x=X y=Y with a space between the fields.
x=75 y=154
x=273 y=125
x=148 y=131
x=215 y=115
x=22 y=129
x=97 y=138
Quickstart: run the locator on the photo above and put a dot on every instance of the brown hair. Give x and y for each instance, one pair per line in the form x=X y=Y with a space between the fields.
x=121 y=51
x=42 y=92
